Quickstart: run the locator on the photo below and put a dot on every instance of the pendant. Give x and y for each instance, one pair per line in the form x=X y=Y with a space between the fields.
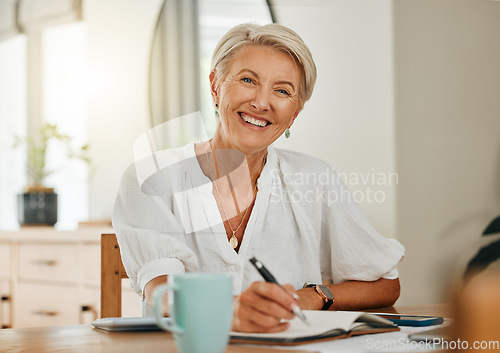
x=233 y=241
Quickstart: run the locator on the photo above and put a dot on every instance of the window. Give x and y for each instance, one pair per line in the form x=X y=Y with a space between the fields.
x=64 y=52
x=61 y=96
x=12 y=123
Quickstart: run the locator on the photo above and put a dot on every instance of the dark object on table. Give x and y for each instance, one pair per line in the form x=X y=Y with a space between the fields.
x=488 y=254
x=37 y=208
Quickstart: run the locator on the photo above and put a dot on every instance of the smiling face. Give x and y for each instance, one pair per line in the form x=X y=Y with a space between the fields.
x=258 y=99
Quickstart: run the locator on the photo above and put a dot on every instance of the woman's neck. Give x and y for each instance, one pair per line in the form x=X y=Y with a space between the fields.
x=255 y=160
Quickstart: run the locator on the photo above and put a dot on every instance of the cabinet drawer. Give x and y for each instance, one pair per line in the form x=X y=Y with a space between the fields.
x=39 y=305
x=5 y=289
x=58 y=262
x=92 y=264
x=92 y=299
x=131 y=302
x=5 y=269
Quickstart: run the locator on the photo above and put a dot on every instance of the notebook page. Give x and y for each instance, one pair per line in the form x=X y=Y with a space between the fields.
x=321 y=322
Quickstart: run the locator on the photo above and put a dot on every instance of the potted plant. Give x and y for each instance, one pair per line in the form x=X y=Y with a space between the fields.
x=38 y=203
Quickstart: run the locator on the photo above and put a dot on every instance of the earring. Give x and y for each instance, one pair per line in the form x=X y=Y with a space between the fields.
x=216 y=110
x=287 y=133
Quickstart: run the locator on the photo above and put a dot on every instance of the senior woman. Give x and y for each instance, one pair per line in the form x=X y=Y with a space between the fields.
x=241 y=197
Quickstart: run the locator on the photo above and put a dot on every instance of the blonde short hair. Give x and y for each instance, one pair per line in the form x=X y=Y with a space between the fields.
x=273 y=35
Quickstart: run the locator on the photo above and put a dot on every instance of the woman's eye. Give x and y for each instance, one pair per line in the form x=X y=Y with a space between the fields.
x=283 y=91
x=247 y=80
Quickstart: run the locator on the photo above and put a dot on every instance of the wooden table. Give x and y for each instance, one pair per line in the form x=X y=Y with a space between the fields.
x=443 y=310
x=85 y=338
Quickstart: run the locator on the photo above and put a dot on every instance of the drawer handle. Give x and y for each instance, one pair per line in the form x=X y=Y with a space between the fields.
x=45 y=313
x=87 y=309
x=5 y=306
x=41 y=262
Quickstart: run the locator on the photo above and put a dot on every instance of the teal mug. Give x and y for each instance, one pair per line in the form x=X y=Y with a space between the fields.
x=201 y=308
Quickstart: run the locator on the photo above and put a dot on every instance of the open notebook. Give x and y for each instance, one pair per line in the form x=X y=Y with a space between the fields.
x=324 y=325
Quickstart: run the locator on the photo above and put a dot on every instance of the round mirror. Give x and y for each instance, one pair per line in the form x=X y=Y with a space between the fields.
x=186 y=34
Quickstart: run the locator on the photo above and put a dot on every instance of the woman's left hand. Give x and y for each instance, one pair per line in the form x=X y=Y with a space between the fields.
x=353 y=295
x=309 y=299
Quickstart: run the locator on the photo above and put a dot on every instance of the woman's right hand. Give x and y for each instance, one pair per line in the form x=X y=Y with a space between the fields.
x=262 y=307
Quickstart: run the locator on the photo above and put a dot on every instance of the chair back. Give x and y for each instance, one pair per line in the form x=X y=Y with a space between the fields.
x=112 y=272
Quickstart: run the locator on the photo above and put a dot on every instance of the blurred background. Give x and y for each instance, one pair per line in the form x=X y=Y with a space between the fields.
x=406 y=106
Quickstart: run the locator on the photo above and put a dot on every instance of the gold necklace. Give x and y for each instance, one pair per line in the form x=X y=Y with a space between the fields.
x=232 y=240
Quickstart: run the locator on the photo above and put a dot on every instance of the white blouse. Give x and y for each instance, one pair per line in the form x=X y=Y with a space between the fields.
x=304 y=225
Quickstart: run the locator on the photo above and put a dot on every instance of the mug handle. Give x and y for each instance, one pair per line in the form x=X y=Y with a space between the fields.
x=157 y=306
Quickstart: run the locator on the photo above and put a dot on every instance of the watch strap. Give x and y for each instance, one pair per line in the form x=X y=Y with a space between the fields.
x=327 y=301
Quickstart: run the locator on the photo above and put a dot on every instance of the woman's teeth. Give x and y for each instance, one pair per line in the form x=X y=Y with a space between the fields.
x=253 y=121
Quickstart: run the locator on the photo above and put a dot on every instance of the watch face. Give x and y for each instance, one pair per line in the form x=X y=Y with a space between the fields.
x=327 y=291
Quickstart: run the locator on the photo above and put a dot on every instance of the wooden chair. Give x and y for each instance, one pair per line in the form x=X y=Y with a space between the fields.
x=112 y=272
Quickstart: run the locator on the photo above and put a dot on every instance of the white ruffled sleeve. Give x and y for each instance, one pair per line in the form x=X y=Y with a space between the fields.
x=356 y=250
x=151 y=239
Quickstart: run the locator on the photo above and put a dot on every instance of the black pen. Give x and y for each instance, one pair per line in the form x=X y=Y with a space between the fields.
x=270 y=278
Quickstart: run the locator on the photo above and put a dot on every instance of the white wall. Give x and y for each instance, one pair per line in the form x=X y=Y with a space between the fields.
x=447 y=70
x=409 y=86
x=119 y=37
x=349 y=121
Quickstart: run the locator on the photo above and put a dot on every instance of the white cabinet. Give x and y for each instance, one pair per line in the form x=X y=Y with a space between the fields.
x=5 y=285
x=5 y=304
x=50 y=278
x=5 y=261
x=91 y=257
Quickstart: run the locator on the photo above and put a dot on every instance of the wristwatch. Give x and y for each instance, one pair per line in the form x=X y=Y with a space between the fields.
x=324 y=292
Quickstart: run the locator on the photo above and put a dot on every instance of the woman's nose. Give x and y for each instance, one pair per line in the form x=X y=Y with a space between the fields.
x=260 y=100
